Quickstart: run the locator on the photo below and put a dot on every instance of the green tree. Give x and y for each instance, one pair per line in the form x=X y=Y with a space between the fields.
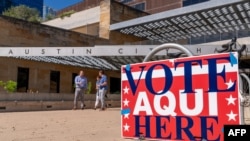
x=23 y=12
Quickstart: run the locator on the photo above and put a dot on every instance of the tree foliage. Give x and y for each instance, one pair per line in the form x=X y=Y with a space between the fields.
x=10 y=86
x=23 y=12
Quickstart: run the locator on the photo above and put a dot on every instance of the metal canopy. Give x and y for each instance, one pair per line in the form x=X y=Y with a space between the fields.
x=208 y=18
x=78 y=61
x=104 y=62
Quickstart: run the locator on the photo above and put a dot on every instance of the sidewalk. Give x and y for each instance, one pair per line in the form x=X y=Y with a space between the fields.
x=66 y=125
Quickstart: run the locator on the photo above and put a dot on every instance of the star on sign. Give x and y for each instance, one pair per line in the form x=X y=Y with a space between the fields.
x=126 y=127
x=231 y=116
x=126 y=116
x=125 y=102
x=230 y=100
x=229 y=84
x=126 y=90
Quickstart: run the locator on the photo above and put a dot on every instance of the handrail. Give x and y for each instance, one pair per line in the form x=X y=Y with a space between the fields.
x=167 y=46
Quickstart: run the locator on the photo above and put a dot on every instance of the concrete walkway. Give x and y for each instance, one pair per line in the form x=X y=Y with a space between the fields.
x=64 y=125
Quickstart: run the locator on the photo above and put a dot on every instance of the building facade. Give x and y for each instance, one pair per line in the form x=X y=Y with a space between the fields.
x=82 y=5
x=38 y=4
x=4 y=4
x=48 y=13
x=156 y=6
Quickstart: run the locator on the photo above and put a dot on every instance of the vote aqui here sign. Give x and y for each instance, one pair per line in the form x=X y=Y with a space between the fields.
x=189 y=98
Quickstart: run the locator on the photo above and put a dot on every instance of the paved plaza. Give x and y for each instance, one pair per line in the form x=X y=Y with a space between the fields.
x=64 y=125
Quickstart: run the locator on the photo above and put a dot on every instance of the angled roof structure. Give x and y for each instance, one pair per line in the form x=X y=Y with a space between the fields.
x=208 y=18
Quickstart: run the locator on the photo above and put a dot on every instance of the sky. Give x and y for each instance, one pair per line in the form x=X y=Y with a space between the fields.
x=59 y=4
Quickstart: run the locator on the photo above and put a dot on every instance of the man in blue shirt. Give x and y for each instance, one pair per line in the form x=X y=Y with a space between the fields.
x=81 y=85
x=103 y=87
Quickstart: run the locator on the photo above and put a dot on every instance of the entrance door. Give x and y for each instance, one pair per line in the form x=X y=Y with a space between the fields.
x=54 y=81
x=22 y=79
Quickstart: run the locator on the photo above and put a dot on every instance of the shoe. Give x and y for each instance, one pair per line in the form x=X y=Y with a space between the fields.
x=82 y=108
x=74 y=109
x=102 y=109
x=94 y=108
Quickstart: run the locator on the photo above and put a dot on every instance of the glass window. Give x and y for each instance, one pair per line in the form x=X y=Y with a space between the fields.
x=126 y=1
x=140 y=6
x=191 y=2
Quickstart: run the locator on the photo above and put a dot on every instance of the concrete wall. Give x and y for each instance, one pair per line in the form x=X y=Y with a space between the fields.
x=119 y=12
x=78 y=19
x=44 y=101
x=14 y=32
x=90 y=29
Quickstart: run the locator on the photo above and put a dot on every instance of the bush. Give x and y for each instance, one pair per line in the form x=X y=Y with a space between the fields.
x=9 y=86
x=67 y=14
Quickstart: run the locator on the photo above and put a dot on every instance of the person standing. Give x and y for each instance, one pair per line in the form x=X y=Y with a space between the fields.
x=80 y=88
x=103 y=87
x=97 y=91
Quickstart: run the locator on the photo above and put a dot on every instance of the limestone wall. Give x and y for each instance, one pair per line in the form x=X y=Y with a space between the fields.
x=78 y=19
x=43 y=101
x=14 y=32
